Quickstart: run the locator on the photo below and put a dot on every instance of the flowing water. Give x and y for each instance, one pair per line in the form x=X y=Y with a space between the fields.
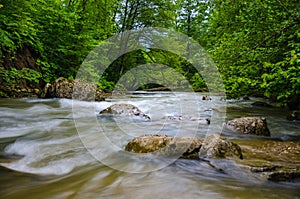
x=59 y=148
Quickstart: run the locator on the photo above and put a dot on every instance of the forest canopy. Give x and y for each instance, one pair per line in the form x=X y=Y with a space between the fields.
x=255 y=44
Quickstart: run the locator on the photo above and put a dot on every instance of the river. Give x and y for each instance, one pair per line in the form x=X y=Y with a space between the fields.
x=59 y=148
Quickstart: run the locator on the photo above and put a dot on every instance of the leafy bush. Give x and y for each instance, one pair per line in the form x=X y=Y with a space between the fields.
x=48 y=69
x=105 y=85
x=282 y=83
x=13 y=76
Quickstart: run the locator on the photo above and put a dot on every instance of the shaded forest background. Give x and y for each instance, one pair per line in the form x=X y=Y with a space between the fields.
x=254 y=43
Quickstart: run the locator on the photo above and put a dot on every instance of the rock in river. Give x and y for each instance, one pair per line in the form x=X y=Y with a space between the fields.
x=125 y=110
x=275 y=160
x=215 y=146
x=164 y=146
x=294 y=115
x=200 y=120
x=249 y=125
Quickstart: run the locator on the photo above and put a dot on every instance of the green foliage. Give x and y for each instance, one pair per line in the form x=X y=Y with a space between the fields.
x=283 y=81
x=103 y=84
x=51 y=29
x=63 y=48
x=17 y=28
x=192 y=19
x=47 y=70
x=13 y=76
x=134 y=14
x=198 y=83
x=254 y=43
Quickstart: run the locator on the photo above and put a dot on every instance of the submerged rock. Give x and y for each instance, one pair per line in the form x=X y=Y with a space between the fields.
x=125 y=110
x=200 y=120
x=249 y=125
x=164 y=146
x=215 y=146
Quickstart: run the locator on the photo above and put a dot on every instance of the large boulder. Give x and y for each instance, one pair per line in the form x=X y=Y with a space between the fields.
x=125 y=110
x=72 y=89
x=215 y=146
x=164 y=146
x=249 y=125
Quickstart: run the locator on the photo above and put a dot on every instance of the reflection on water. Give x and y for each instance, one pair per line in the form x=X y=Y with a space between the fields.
x=44 y=153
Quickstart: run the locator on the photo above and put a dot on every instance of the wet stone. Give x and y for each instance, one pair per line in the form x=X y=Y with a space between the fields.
x=200 y=120
x=294 y=115
x=284 y=175
x=215 y=146
x=276 y=160
x=164 y=146
x=125 y=110
x=249 y=125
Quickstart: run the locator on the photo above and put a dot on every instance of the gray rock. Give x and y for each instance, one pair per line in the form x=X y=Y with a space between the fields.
x=249 y=125
x=215 y=146
x=125 y=110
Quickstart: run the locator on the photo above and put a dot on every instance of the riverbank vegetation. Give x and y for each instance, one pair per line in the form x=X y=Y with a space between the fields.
x=255 y=44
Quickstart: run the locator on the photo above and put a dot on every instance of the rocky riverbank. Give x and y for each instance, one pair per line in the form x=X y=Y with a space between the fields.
x=274 y=160
x=60 y=88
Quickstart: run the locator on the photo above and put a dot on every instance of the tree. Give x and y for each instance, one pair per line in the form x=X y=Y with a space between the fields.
x=192 y=19
x=248 y=34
